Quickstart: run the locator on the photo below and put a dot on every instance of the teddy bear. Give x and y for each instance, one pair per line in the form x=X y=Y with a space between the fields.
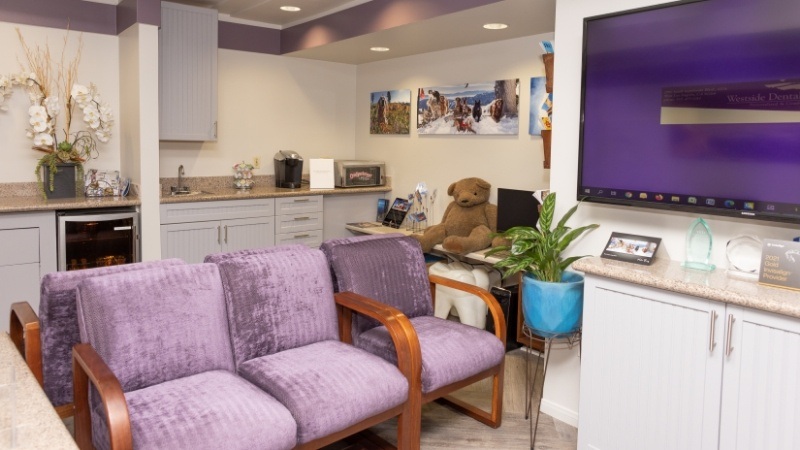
x=468 y=222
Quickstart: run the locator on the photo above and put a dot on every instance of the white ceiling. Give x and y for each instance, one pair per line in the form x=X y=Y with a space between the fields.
x=524 y=18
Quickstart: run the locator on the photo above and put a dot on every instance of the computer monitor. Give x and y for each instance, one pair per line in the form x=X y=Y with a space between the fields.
x=516 y=208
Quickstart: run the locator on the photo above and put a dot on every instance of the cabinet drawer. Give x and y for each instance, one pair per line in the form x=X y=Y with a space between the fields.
x=20 y=246
x=292 y=223
x=294 y=205
x=218 y=210
x=309 y=238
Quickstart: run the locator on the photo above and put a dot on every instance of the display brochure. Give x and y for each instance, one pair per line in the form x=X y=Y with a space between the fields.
x=397 y=213
x=631 y=248
x=780 y=264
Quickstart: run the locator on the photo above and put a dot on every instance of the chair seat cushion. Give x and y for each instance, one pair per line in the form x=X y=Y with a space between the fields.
x=451 y=351
x=328 y=385
x=210 y=410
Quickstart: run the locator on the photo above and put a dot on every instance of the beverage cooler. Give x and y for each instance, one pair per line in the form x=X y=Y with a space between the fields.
x=97 y=238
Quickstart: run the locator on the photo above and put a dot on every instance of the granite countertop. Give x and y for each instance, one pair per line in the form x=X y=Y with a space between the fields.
x=262 y=191
x=719 y=285
x=25 y=197
x=27 y=419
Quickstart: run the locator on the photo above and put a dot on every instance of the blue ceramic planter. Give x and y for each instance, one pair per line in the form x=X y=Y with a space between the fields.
x=553 y=308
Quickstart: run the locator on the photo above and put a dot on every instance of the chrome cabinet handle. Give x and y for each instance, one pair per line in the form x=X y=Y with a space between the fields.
x=300 y=236
x=711 y=342
x=219 y=235
x=300 y=200
x=728 y=336
x=226 y=234
x=302 y=218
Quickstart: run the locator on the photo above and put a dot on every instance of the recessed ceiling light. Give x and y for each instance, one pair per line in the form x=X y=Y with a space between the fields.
x=290 y=8
x=379 y=49
x=495 y=26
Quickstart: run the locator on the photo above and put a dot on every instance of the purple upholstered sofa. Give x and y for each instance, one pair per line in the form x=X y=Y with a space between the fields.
x=244 y=353
x=47 y=339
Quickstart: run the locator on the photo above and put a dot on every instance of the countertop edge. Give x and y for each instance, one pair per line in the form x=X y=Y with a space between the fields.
x=717 y=285
x=269 y=192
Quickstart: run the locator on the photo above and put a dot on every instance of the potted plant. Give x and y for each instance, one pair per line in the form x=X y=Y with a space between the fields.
x=552 y=297
x=47 y=85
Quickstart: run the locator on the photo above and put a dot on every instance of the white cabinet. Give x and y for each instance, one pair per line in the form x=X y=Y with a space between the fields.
x=761 y=387
x=299 y=220
x=27 y=252
x=191 y=231
x=656 y=372
x=187 y=69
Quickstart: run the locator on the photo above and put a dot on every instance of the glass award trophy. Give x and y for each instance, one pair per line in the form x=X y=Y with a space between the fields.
x=698 y=246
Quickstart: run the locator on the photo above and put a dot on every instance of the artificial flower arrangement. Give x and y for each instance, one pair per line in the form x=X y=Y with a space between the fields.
x=44 y=82
x=243 y=175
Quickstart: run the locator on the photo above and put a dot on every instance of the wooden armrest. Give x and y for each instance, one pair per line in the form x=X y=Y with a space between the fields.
x=483 y=294
x=406 y=343
x=24 y=331
x=87 y=366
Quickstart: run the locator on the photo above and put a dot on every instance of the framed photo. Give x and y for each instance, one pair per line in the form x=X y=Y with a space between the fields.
x=390 y=112
x=631 y=248
x=488 y=107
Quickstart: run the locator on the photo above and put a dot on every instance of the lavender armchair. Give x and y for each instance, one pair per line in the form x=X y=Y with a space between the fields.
x=46 y=340
x=391 y=269
x=158 y=351
x=284 y=329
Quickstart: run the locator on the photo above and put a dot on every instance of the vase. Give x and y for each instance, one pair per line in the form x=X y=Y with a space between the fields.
x=553 y=308
x=65 y=181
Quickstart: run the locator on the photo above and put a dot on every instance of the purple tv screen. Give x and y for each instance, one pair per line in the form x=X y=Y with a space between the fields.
x=696 y=106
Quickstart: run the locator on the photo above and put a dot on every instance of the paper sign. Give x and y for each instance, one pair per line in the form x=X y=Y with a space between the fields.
x=320 y=174
x=780 y=264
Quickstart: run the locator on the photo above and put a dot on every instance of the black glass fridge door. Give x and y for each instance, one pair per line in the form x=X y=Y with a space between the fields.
x=98 y=243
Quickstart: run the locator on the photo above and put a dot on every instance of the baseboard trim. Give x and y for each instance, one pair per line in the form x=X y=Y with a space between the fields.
x=557 y=411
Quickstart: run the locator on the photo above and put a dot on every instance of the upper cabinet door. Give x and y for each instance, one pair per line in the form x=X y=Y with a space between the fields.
x=187 y=73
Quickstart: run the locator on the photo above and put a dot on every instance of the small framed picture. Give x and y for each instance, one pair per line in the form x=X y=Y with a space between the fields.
x=631 y=248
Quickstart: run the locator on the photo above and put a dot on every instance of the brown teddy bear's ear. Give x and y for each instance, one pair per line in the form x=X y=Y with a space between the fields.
x=452 y=188
x=483 y=183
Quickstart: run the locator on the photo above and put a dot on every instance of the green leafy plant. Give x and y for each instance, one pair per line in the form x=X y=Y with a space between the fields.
x=539 y=249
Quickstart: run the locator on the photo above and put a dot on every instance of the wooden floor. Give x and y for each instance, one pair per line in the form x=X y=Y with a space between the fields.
x=444 y=428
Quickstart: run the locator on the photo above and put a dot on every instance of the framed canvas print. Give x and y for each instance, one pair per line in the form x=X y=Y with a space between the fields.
x=490 y=107
x=390 y=112
x=631 y=248
x=541 y=107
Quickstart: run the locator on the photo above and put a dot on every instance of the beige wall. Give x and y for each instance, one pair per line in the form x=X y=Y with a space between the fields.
x=504 y=161
x=269 y=103
x=99 y=65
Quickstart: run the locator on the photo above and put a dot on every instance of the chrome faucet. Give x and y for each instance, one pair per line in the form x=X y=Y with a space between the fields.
x=180 y=177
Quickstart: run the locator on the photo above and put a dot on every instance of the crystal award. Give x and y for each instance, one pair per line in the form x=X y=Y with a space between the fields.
x=698 y=246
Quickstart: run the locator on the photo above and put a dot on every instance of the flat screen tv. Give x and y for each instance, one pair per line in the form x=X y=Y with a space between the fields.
x=695 y=106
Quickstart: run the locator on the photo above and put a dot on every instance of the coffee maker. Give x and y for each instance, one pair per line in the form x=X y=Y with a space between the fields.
x=288 y=169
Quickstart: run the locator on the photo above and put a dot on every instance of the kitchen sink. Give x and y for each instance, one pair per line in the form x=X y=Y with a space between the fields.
x=187 y=193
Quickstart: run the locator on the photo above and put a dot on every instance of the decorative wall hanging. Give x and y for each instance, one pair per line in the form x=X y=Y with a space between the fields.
x=541 y=107
x=470 y=108
x=390 y=112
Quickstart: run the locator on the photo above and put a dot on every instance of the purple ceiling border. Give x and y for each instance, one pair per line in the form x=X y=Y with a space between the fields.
x=249 y=38
x=369 y=17
x=130 y=12
x=75 y=14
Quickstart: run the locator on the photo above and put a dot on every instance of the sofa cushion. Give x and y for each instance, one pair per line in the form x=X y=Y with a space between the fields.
x=211 y=410
x=328 y=386
x=156 y=325
x=278 y=301
x=58 y=323
x=450 y=350
x=217 y=257
x=389 y=268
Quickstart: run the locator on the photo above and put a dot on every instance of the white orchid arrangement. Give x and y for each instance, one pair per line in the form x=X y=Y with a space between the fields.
x=43 y=85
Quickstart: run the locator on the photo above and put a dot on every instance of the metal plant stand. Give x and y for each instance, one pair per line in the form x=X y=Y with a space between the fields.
x=564 y=340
